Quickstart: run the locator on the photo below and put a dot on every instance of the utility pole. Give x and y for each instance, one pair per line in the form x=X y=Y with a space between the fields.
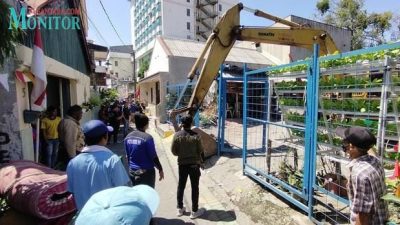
x=133 y=60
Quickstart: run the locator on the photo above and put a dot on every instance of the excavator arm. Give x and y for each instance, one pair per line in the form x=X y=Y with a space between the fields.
x=222 y=39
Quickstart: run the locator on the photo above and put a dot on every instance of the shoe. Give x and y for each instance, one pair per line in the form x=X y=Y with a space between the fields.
x=198 y=213
x=180 y=212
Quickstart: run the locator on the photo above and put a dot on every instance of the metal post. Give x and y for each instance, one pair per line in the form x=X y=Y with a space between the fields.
x=311 y=128
x=220 y=112
x=266 y=114
x=269 y=143
x=223 y=112
x=134 y=73
x=133 y=60
x=244 y=114
x=383 y=110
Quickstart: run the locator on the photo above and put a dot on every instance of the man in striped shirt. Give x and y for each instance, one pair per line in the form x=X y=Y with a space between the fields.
x=367 y=178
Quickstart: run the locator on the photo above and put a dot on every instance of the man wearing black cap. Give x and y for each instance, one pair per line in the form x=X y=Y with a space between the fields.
x=96 y=168
x=367 y=177
x=187 y=146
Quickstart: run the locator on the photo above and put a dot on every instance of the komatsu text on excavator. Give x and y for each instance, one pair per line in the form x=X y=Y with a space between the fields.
x=223 y=37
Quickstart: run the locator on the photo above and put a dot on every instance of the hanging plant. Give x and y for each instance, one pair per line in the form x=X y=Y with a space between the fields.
x=366 y=57
x=10 y=34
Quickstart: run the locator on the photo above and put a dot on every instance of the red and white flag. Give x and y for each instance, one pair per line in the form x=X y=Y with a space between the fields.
x=38 y=96
x=24 y=75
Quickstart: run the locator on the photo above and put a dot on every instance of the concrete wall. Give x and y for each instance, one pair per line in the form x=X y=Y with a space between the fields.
x=226 y=4
x=125 y=66
x=13 y=96
x=159 y=60
x=79 y=82
x=178 y=69
x=285 y=54
x=174 y=18
x=16 y=99
x=341 y=37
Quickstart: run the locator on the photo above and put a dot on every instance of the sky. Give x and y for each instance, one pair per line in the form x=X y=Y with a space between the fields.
x=118 y=11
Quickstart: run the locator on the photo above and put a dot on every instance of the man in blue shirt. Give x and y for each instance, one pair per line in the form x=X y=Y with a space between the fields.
x=141 y=154
x=96 y=168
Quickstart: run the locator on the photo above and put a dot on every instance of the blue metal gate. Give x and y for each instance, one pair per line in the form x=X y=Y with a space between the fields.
x=272 y=155
x=230 y=107
x=290 y=113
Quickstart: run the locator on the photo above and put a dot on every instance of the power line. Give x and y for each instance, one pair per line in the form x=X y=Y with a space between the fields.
x=98 y=32
x=109 y=19
x=94 y=26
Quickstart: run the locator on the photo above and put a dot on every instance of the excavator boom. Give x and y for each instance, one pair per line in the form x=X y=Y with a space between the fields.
x=223 y=37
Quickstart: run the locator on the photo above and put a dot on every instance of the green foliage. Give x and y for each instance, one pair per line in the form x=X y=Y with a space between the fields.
x=92 y=102
x=291 y=85
x=351 y=14
x=352 y=105
x=8 y=38
x=373 y=56
x=379 y=23
x=289 y=173
x=291 y=101
x=143 y=67
x=323 y=6
x=295 y=117
x=207 y=119
x=108 y=96
x=394 y=53
x=297 y=68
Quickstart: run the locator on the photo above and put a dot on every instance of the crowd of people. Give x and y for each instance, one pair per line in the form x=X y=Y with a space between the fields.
x=120 y=113
x=93 y=168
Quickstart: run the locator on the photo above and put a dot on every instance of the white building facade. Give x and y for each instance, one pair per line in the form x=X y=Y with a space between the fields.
x=182 y=19
x=120 y=69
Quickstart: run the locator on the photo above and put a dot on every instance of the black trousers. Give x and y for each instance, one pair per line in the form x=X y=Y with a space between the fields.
x=148 y=177
x=193 y=171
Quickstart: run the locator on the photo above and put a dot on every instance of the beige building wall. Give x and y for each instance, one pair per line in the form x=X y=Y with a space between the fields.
x=122 y=72
x=79 y=90
x=124 y=67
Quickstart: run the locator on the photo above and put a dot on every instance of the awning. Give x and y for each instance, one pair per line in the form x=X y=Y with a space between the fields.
x=152 y=78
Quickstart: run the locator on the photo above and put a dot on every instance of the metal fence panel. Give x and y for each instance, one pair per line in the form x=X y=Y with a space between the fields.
x=290 y=116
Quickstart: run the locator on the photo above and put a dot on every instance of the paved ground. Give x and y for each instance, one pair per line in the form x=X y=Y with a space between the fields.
x=227 y=195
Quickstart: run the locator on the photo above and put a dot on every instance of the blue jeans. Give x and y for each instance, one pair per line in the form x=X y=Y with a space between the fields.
x=52 y=152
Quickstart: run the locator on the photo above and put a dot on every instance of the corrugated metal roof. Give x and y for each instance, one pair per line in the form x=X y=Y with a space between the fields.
x=122 y=48
x=192 y=49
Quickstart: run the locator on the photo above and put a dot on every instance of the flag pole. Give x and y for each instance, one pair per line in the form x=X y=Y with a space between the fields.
x=36 y=153
x=38 y=95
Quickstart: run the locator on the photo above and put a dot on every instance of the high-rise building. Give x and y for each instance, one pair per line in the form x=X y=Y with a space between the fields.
x=183 y=19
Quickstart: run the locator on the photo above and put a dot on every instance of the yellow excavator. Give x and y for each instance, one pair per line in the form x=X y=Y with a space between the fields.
x=222 y=39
